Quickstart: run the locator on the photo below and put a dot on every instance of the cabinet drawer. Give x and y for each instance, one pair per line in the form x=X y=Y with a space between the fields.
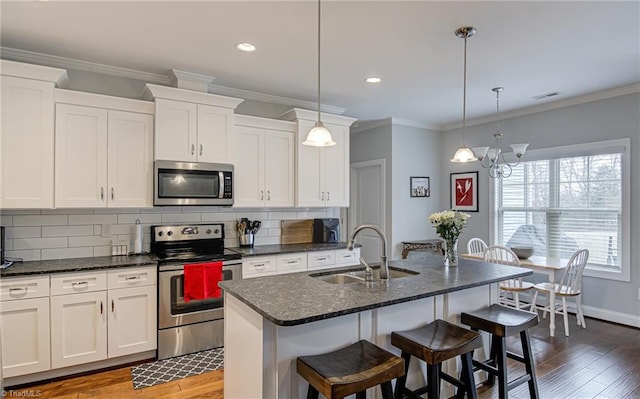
x=132 y=277
x=12 y=288
x=258 y=267
x=290 y=263
x=321 y=259
x=74 y=283
x=344 y=257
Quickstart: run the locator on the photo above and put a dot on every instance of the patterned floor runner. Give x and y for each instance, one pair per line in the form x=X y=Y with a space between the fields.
x=158 y=372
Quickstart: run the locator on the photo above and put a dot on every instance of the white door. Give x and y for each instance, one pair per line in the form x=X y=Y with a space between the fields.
x=175 y=130
x=26 y=144
x=130 y=162
x=335 y=172
x=278 y=166
x=368 y=206
x=249 y=167
x=81 y=157
x=132 y=320
x=215 y=143
x=24 y=327
x=78 y=328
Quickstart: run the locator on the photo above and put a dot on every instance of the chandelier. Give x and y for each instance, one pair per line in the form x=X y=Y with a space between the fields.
x=493 y=158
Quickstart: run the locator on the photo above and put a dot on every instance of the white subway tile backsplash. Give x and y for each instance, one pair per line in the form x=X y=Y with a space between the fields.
x=23 y=232
x=40 y=220
x=181 y=217
x=145 y=218
x=40 y=243
x=93 y=219
x=88 y=241
x=25 y=255
x=67 y=231
x=73 y=233
x=8 y=244
x=66 y=253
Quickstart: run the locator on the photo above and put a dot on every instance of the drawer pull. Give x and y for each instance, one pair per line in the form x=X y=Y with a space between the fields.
x=259 y=265
x=18 y=290
x=291 y=262
x=101 y=307
x=78 y=284
x=130 y=278
x=323 y=258
x=113 y=306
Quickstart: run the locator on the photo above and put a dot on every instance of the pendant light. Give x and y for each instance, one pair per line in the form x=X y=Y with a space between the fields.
x=319 y=136
x=464 y=153
x=493 y=158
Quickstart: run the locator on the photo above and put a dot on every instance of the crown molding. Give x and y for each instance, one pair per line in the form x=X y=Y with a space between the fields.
x=363 y=126
x=412 y=123
x=190 y=80
x=567 y=102
x=70 y=63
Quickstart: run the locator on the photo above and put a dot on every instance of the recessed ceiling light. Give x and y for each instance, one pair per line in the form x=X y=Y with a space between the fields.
x=373 y=79
x=248 y=47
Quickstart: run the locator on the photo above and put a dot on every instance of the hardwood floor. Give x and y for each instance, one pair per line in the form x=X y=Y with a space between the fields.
x=600 y=362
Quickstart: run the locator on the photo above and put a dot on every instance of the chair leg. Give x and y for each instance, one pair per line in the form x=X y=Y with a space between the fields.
x=387 y=390
x=580 y=313
x=362 y=395
x=516 y=297
x=533 y=302
x=433 y=381
x=467 y=376
x=565 y=316
x=491 y=378
x=401 y=381
x=548 y=308
x=501 y=364
x=527 y=354
x=312 y=393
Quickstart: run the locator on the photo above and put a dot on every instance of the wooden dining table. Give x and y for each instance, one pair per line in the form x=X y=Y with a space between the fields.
x=539 y=264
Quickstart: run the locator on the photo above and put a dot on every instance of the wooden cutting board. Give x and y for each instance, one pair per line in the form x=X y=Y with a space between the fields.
x=296 y=231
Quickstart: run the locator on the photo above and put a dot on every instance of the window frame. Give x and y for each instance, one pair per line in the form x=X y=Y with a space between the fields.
x=621 y=146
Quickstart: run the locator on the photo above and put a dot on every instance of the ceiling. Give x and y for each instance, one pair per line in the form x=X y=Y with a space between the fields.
x=530 y=48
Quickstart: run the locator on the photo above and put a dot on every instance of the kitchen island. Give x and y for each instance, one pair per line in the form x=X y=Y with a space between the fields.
x=269 y=321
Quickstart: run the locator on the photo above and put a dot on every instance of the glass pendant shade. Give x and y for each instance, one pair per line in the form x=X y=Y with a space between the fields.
x=319 y=136
x=463 y=154
x=519 y=149
x=480 y=152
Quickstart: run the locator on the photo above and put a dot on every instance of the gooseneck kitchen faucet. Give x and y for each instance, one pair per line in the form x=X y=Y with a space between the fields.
x=384 y=265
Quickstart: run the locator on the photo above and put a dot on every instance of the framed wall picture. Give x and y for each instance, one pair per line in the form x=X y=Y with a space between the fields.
x=464 y=191
x=420 y=186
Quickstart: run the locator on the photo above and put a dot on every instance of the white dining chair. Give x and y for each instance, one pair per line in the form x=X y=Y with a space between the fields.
x=476 y=246
x=505 y=256
x=570 y=285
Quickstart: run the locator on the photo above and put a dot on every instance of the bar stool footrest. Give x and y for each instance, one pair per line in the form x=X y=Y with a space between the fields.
x=516 y=356
x=485 y=366
x=518 y=381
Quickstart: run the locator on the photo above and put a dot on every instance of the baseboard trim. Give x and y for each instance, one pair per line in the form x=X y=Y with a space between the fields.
x=610 y=315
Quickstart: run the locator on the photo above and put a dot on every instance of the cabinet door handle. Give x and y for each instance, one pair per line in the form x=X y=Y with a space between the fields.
x=328 y=194
x=322 y=196
x=268 y=195
x=193 y=149
x=101 y=307
x=113 y=195
x=102 y=193
x=261 y=195
x=113 y=306
x=200 y=149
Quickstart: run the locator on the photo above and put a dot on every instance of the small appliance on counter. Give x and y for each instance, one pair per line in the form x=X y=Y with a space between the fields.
x=326 y=230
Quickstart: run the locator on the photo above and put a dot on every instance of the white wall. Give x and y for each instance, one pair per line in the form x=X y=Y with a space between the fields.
x=77 y=233
x=613 y=118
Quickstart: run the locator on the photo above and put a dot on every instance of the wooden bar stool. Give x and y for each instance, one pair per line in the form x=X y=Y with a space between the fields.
x=350 y=370
x=434 y=343
x=501 y=321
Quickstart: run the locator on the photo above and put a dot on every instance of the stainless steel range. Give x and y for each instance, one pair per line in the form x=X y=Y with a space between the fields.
x=195 y=325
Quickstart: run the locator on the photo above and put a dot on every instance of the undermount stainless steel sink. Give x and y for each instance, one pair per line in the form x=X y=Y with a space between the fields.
x=358 y=276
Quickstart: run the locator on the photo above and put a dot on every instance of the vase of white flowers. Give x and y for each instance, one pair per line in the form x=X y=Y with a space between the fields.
x=449 y=226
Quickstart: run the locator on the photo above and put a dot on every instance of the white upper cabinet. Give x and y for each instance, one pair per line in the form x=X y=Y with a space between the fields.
x=264 y=162
x=103 y=153
x=27 y=134
x=192 y=126
x=322 y=173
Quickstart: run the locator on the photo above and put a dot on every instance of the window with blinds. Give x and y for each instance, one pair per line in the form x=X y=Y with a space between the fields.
x=562 y=204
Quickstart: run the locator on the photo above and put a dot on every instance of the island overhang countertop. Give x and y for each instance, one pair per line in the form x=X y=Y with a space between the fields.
x=298 y=298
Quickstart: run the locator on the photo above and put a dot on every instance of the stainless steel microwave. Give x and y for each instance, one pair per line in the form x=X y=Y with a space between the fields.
x=193 y=183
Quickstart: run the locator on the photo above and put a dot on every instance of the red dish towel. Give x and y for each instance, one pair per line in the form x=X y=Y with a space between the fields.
x=201 y=280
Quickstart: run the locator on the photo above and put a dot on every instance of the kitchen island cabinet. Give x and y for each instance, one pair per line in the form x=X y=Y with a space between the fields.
x=269 y=321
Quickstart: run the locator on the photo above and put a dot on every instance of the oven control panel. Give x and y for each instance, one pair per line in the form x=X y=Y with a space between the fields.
x=187 y=232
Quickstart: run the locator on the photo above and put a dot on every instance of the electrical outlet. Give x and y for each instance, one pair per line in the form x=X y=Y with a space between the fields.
x=106 y=230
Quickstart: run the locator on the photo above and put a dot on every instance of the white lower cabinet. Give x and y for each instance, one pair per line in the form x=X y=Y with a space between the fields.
x=24 y=325
x=101 y=315
x=298 y=262
x=259 y=266
x=291 y=263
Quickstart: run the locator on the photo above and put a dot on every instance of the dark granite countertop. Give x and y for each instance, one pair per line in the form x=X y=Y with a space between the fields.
x=265 y=250
x=76 y=265
x=297 y=298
